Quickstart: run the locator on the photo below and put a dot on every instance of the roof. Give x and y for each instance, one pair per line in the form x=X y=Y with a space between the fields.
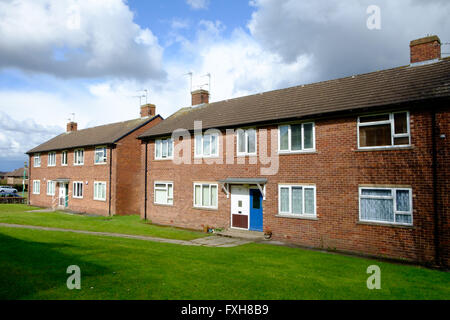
x=381 y=88
x=100 y=135
x=17 y=173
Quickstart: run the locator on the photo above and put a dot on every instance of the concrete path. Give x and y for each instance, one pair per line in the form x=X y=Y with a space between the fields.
x=213 y=241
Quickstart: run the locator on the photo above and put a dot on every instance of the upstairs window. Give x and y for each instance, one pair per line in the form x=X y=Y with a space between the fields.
x=164 y=149
x=384 y=130
x=296 y=138
x=246 y=142
x=37 y=160
x=207 y=145
x=78 y=158
x=51 y=159
x=100 y=155
x=386 y=205
x=64 y=158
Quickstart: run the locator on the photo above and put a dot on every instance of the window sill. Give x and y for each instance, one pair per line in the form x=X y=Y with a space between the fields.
x=296 y=217
x=101 y=200
x=79 y=198
x=100 y=164
x=284 y=153
x=205 y=209
x=78 y=165
x=382 y=224
x=384 y=149
x=163 y=204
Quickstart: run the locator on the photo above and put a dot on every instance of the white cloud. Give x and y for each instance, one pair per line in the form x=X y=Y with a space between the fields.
x=198 y=4
x=70 y=38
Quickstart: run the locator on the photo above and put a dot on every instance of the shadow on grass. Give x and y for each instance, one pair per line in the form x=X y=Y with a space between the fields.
x=27 y=268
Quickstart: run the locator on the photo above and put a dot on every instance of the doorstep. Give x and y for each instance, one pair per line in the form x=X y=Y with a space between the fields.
x=242 y=234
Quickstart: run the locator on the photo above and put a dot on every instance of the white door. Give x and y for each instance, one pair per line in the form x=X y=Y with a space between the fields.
x=62 y=195
x=240 y=207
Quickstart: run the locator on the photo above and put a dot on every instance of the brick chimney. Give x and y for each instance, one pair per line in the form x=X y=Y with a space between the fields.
x=72 y=126
x=424 y=49
x=148 y=110
x=199 y=97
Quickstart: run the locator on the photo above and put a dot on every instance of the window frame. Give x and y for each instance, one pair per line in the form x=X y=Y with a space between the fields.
x=391 y=122
x=394 y=204
x=37 y=156
x=303 y=150
x=201 y=184
x=38 y=182
x=202 y=155
x=75 y=157
x=76 y=189
x=238 y=140
x=53 y=155
x=96 y=184
x=64 y=155
x=166 y=188
x=105 y=155
x=54 y=187
x=160 y=142
x=299 y=215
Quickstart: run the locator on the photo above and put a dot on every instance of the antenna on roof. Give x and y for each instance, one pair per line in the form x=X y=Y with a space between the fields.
x=209 y=82
x=73 y=117
x=144 y=95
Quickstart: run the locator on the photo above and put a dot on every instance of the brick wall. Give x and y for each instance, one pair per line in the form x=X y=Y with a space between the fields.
x=337 y=169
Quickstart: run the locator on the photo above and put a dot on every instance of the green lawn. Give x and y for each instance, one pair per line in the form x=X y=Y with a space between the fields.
x=33 y=265
x=13 y=213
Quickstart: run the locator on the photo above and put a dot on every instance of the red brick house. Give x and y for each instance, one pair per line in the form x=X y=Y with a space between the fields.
x=91 y=170
x=358 y=164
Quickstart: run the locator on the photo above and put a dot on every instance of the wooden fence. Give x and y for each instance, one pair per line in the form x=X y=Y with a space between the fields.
x=12 y=200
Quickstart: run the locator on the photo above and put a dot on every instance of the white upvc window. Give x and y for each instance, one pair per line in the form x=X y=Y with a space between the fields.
x=386 y=205
x=100 y=156
x=205 y=195
x=37 y=160
x=297 y=200
x=99 y=191
x=296 y=138
x=206 y=145
x=164 y=193
x=246 y=141
x=164 y=149
x=36 y=186
x=51 y=186
x=51 y=159
x=384 y=130
x=78 y=189
x=64 y=158
x=78 y=158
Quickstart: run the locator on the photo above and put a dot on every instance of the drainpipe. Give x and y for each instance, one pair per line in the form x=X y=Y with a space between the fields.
x=437 y=243
x=110 y=174
x=145 y=180
x=29 y=179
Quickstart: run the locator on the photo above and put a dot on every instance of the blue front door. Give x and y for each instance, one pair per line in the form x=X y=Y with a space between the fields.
x=256 y=210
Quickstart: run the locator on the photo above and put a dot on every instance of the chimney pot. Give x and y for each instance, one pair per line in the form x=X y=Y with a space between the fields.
x=200 y=96
x=72 y=126
x=425 y=49
x=148 y=110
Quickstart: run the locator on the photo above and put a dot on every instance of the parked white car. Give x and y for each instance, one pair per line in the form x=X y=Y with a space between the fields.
x=7 y=189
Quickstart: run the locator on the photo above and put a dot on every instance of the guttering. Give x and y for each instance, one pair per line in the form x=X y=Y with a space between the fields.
x=145 y=181
x=110 y=174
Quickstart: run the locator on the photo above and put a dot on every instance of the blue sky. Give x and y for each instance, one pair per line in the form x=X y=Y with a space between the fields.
x=91 y=58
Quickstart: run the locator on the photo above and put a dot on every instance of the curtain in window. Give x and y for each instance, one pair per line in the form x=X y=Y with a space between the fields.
x=170 y=148
x=205 y=196
x=198 y=145
x=241 y=140
x=284 y=199
x=170 y=194
x=284 y=137
x=206 y=145
x=308 y=132
x=402 y=199
x=296 y=137
x=297 y=200
x=160 y=196
x=377 y=209
x=214 y=196
x=198 y=195
x=213 y=144
x=309 y=201
x=251 y=133
x=158 y=149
